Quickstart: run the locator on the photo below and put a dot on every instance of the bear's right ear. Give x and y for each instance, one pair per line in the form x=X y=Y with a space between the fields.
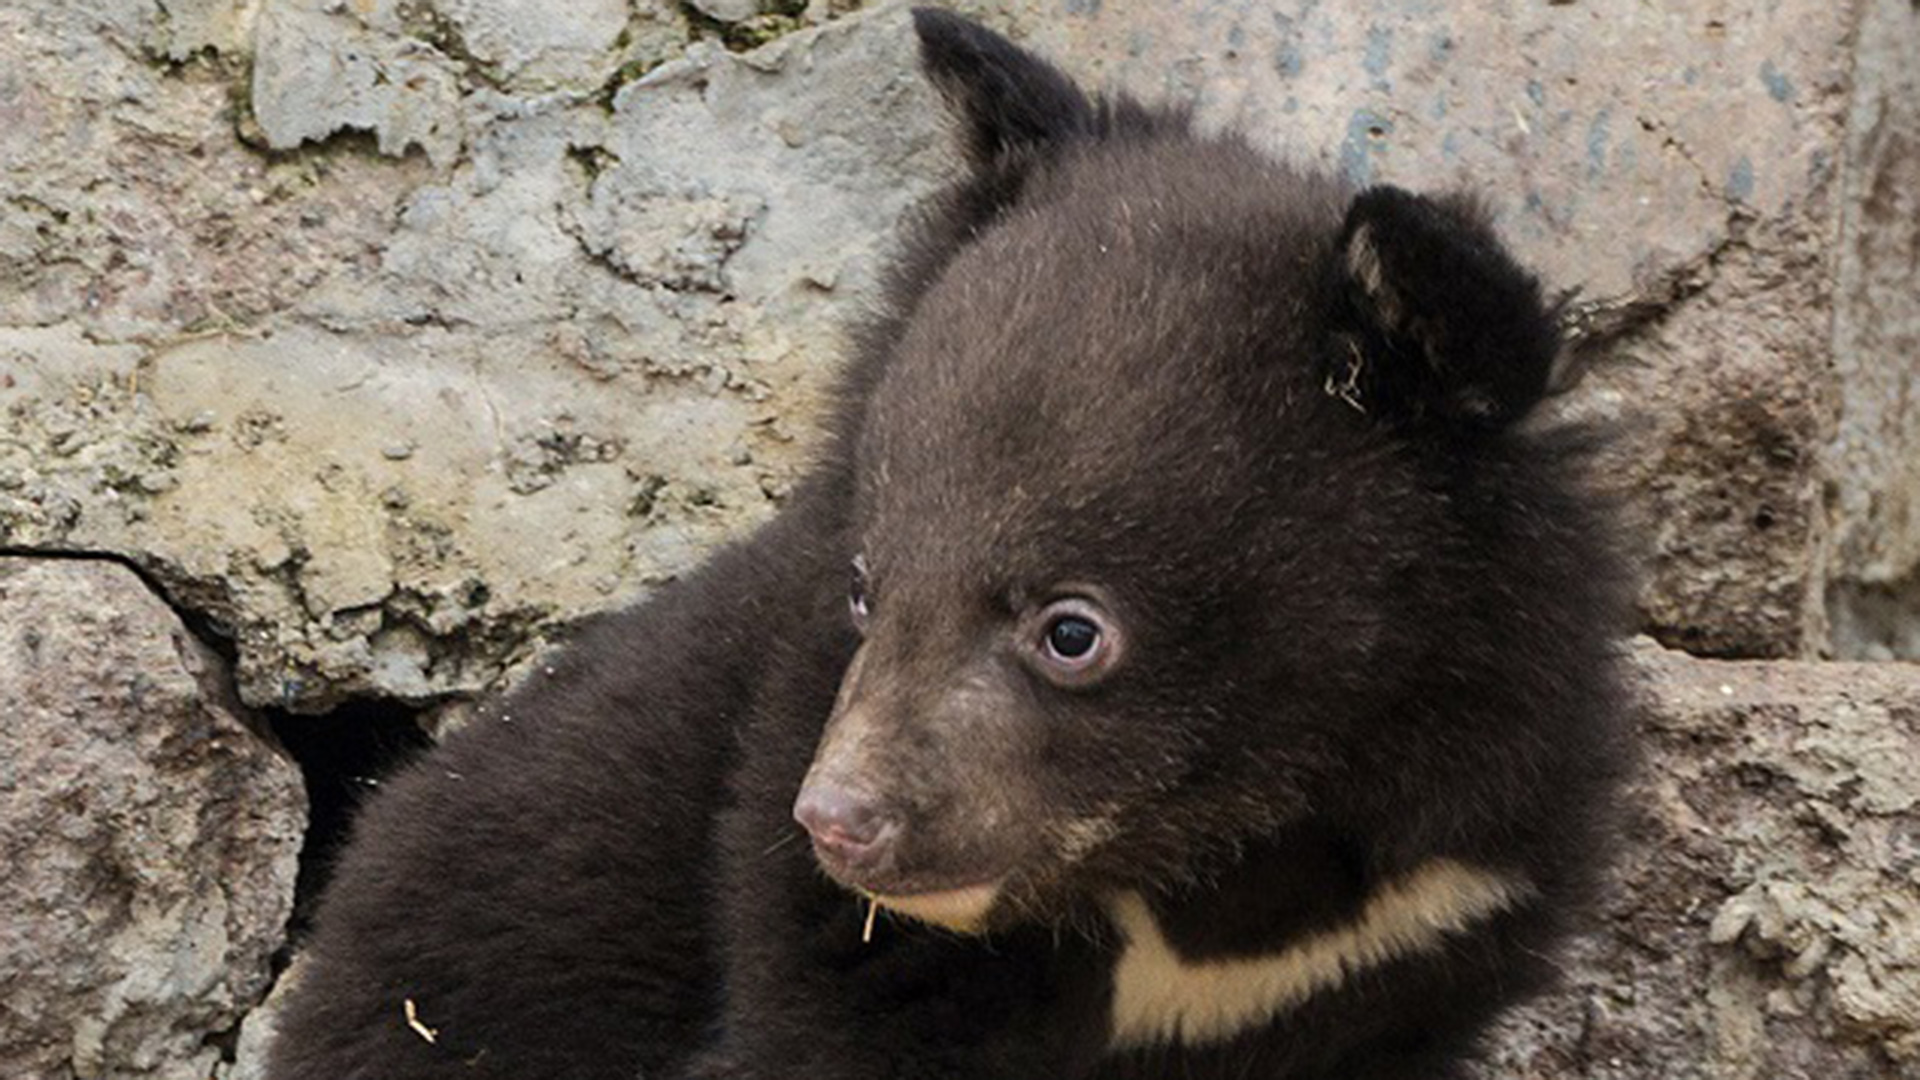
x=1442 y=323
x=1009 y=100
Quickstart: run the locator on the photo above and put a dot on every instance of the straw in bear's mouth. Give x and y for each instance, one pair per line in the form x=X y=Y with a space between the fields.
x=962 y=909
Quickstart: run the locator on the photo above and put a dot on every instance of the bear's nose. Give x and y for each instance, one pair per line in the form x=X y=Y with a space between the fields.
x=847 y=826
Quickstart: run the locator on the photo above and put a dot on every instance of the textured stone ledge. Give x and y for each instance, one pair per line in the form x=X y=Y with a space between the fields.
x=1765 y=922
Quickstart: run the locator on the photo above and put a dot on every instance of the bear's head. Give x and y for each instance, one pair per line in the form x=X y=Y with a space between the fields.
x=1194 y=502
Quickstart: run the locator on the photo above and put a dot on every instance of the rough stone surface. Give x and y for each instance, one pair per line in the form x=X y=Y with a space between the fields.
x=1874 y=592
x=321 y=67
x=390 y=335
x=150 y=836
x=406 y=415
x=1765 y=924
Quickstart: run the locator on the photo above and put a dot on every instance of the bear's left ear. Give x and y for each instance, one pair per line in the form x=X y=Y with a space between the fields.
x=1008 y=99
x=1441 y=323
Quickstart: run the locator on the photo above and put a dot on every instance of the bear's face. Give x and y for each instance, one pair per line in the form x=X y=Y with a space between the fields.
x=1137 y=499
x=1083 y=544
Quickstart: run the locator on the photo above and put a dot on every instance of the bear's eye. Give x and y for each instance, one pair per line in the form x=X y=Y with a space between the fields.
x=1074 y=641
x=857 y=600
x=1071 y=637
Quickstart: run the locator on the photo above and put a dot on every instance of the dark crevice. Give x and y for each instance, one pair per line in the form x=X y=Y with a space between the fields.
x=346 y=140
x=226 y=1040
x=343 y=755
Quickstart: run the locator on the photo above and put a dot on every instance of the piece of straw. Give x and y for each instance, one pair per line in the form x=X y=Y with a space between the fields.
x=413 y=1021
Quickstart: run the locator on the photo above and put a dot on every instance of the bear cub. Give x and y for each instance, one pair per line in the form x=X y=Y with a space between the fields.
x=1185 y=659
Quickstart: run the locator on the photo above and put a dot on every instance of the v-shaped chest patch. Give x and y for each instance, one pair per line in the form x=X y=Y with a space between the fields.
x=1161 y=998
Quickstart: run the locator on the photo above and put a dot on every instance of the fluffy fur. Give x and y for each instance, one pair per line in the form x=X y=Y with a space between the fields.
x=1323 y=815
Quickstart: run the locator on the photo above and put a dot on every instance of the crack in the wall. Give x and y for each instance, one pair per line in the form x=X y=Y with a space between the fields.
x=781 y=19
x=1590 y=327
x=203 y=628
x=425 y=23
x=593 y=159
x=226 y=1041
x=1669 y=140
x=347 y=139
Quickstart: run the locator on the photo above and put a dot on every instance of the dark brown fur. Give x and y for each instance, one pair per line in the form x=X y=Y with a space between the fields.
x=1276 y=427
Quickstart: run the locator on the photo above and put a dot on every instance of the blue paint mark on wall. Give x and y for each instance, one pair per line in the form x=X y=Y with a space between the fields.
x=1625 y=158
x=1779 y=87
x=1536 y=93
x=1367 y=133
x=1598 y=135
x=1290 y=106
x=1439 y=110
x=1450 y=146
x=1083 y=7
x=1379 y=52
x=1288 y=59
x=1740 y=180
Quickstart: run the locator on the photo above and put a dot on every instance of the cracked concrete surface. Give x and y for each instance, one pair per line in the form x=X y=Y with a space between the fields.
x=387 y=337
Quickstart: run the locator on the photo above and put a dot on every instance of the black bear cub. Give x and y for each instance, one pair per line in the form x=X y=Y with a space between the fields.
x=1184 y=660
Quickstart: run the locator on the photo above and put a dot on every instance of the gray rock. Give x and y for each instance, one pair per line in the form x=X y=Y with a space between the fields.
x=131 y=214
x=321 y=67
x=151 y=836
x=530 y=45
x=1765 y=921
x=389 y=336
x=728 y=11
x=1874 y=580
x=602 y=337
x=180 y=29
